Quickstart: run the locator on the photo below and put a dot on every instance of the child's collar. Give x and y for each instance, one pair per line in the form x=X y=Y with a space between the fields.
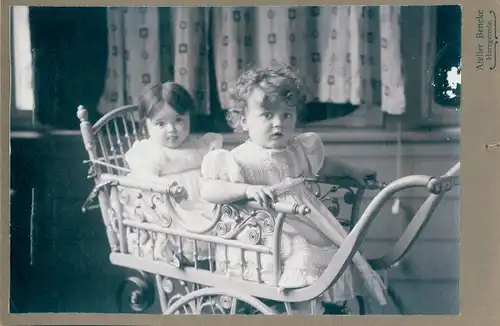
x=272 y=150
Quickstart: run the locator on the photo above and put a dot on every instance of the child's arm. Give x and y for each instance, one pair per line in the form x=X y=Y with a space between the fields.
x=223 y=183
x=223 y=192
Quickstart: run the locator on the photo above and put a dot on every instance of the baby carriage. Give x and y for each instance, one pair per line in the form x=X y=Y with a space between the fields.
x=187 y=285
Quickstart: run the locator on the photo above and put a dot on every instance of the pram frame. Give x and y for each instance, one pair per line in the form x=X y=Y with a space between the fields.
x=108 y=177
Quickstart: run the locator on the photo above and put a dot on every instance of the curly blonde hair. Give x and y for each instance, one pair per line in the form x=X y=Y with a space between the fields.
x=279 y=80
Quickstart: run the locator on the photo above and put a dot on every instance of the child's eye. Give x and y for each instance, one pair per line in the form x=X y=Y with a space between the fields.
x=287 y=115
x=179 y=119
x=160 y=124
x=268 y=115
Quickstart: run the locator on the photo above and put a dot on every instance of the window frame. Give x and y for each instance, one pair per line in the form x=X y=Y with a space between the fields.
x=434 y=114
x=425 y=111
x=19 y=119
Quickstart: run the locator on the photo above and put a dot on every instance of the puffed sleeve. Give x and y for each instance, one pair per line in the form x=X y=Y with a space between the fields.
x=143 y=158
x=313 y=147
x=219 y=164
x=212 y=141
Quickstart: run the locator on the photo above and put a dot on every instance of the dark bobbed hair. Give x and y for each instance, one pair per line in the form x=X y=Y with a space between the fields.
x=154 y=98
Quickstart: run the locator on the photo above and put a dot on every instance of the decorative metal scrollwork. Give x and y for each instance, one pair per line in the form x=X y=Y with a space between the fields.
x=330 y=198
x=334 y=206
x=113 y=219
x=139 y=213
x=268 y=224
x=124 y=196
x=235 y=221
x=314 y=188
x=254 y=235
x=91 y=173
x=166 y=220
x=231 y=213
x=156 y=200
x=221 y=229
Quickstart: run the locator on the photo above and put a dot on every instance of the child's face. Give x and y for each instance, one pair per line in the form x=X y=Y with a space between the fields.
x=270 y=124
x=168 y=128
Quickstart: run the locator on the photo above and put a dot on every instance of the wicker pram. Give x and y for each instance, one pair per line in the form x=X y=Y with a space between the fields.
x=187 y=285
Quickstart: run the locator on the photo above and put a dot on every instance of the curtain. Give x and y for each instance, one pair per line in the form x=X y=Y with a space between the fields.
x=151 y=45
x=345 y=54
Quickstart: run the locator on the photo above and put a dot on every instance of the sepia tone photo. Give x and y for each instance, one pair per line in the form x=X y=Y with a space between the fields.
x=287 y=160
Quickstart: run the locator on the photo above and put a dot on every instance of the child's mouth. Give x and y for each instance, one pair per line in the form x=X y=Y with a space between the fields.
x=276 y=135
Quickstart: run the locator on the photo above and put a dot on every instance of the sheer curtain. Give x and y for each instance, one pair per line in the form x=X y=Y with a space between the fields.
x=346 y=54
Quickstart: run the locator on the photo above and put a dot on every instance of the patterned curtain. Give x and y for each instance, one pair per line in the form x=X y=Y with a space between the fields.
x=346 y=54
x=151 y=45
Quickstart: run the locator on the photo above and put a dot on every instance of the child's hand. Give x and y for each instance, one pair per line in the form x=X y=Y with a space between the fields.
x=178 y=192
x=262 y=194
x=361 y=175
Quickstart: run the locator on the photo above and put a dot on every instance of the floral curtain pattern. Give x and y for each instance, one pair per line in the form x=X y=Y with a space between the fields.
x=346 y=54
x=150 y=45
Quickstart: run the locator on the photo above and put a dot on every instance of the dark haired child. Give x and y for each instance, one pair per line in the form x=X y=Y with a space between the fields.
x=172 y=154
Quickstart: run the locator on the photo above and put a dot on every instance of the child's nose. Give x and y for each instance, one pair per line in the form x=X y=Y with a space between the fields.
x=277 y=121
x=170 y=127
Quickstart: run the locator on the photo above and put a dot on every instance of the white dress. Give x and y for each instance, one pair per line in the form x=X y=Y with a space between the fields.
x=146 y=159
x=309 y=242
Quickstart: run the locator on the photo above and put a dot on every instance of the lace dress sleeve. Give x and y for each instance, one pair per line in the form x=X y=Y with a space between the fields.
x=144 y=159
x=219 y=164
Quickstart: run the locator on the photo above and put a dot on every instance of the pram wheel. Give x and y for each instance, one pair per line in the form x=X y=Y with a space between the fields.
x=138 y=292
x=212 y=301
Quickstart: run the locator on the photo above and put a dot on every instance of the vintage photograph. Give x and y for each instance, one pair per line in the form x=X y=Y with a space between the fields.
x=287 y=160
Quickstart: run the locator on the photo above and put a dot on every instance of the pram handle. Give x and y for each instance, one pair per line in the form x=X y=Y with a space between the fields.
x=435 y=185
x=174 y=190
x=94 y=193
x=419 y=220
x=283 y=207
x=353 y=241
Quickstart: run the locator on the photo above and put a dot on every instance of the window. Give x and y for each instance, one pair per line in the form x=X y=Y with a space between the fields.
x=444 y=51
x=82 y=33
x=22 y=84
x=430 y=52
x=448 y=53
